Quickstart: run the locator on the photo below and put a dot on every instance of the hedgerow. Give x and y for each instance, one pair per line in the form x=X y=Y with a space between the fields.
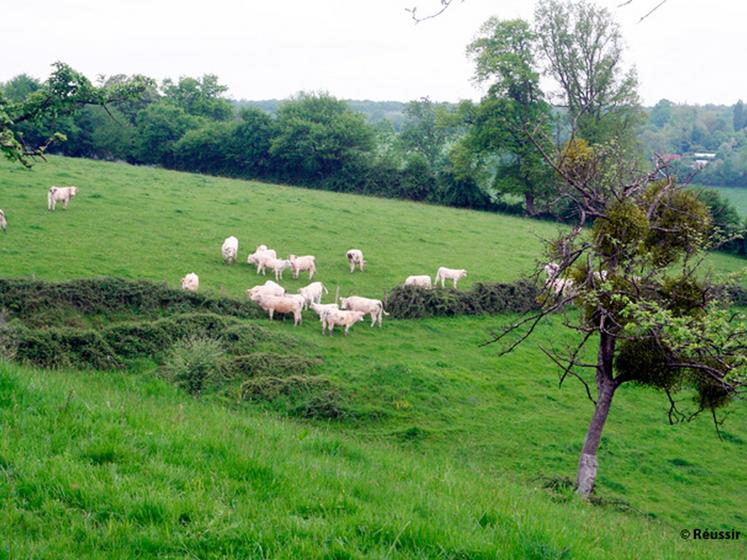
x=412 y=302
x=26 y=298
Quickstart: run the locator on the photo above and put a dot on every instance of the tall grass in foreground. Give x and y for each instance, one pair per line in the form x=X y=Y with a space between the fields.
x=120 y=466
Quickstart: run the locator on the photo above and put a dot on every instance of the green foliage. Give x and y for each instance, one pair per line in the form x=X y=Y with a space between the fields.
x=412 y=302
x=318 y=135
x=582 y=45
x=33 y=300
x=196 y=363
x=622 y=230
x=159 y=127
x=200 y=97
x=679 y=224
x=645 y=362
x=63 y=348
x=273 y=364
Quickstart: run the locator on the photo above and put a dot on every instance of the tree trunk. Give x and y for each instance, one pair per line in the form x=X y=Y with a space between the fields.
x=529 y=200
x=587 y=464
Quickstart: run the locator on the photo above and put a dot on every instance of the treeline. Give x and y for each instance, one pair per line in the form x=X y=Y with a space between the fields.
x=449 y=154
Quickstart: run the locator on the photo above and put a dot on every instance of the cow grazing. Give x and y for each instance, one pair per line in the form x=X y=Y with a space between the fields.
x=269 y=288
x=278 y=266
x=341 y=318
x=372 y=307
x=60 y=194
x=260 y=258
x=322 y=308
x=281 y=304
x=454 y=274
x=3 y=222
x=355 y=257
x=230 y=250
x=301 y=264
x=191 y=282
x=313 y=292
x=422 y=281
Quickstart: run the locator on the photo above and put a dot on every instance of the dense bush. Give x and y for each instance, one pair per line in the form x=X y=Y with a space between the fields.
x=410 y=302
x=61 y=347
x=196 y=362
x=26 y=298
x=273 y=364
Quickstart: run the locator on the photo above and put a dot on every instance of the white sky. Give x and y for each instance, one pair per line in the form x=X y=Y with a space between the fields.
x=687 y=51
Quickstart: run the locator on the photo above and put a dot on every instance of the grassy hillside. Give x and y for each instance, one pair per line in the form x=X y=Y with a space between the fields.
x=138 y=222
x=112 y=466
x=423 y=402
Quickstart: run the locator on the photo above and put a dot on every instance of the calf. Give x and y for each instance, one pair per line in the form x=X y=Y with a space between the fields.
x=63 y=194
x=300 y=264
x=281 y=304
x=230 y=250
x=355 y=257
x=373 y=307
x=278 y=266
x=454 y=274
x=260 y=258
x=269 y=288
x=191 y=282
x=422 y=281
x=322 y=308
x=313 y=292
x=341 y=318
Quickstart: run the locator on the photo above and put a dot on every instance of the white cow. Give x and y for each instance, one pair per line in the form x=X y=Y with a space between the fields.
x=373 y=307
x=63 y=194
x=260 y=258
x=230 y=250
x=281 y=304
x=269 y=288
x=559 y=286
x=191 y=282
x=454 y=274
x=3 y=221
x=278 y=266
x=313 y=292
x=341 y=318
x=423 y=281
x=301 y=264
x=355 y=257
x=322 y=308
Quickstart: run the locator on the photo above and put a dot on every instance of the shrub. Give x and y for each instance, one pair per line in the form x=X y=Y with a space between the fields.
x=270 y=387
x=64 y=347
x=26 y=298
x=196 y=363
x=411 y=302
x=272 y=364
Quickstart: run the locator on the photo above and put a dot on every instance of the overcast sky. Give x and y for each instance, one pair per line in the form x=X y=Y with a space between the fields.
x=687 y=50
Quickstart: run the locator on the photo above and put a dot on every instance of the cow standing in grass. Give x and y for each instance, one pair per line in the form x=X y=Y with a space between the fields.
x=60 y=194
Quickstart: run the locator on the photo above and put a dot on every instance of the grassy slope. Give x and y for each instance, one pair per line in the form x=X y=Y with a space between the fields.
x=429 y=386
x=118 y=466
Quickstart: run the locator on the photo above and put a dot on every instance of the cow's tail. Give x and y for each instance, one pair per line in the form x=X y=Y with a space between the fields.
x=326 y=291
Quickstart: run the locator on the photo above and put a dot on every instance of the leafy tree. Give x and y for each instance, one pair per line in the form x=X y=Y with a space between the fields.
x=20 y=87
x=159 y=126
x=317 y=136
x=739 y=119
x=61 y=95
x=582 y=47
x=504 y=54
x=642 y=304
x=200 y=97
x=422 y=133
x=661 y=114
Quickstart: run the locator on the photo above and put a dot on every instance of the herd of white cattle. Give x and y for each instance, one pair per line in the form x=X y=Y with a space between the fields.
x=273 y=298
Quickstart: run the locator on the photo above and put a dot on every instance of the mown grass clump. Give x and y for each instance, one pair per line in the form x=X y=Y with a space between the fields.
x=412 y=302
